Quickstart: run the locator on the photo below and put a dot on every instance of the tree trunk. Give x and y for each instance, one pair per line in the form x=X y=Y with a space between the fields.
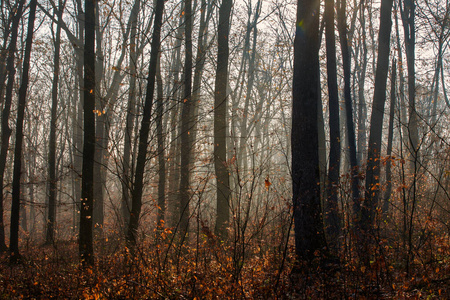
x=87 y=183
x=407 y=11
x=161 y=149
x=223 y=191
x=136 y=198
x=250 y=83
x=342 y=27
x=52 y=180
x=101 y=134
x=362 y=106
x=309 y=233
x=131 y=113
x=174 y=151
x=387 y=193
x=186 y=124
x=15 y=205
x=376 y=121
x=6 y=131
x=205 y=16
x=331 y=204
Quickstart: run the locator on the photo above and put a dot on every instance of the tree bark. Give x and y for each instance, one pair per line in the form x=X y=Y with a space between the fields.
x=161 y=149
x=220 y=121
x=6 y=131
x=407 y=11
x=15 y=205
x=50 y=237
x=376 y=120
x=342 y=28
x=362 y=106
x=131 y=112
x=387 y=193
x=136 y=198
x=331 y=204
x=87 y=184
x=186 y=124
x=309 y=233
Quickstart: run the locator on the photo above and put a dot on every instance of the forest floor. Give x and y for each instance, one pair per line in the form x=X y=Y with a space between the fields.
x=54 y=272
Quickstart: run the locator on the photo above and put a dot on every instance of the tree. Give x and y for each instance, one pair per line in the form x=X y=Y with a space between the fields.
x=136 y=198
x=344 y=41
x=15 y=204
x=309 y=233
x=87 y=184
x=131 y=112
x=331 y=204
x=388 y=192
x=52 y=140
x=161 y=149
x=186 y=123
x=376 y=121
x=407 y=11
x=6 y=131
x=223 y=191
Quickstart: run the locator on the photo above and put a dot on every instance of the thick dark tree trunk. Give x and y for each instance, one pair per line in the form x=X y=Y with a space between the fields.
x=223 y=191
x=6 y=131
x=52 y=180
x=136 y=198
x=309 y=232
x=186 y=124
x=331 y=204
x=87 y=183
x=15 y=205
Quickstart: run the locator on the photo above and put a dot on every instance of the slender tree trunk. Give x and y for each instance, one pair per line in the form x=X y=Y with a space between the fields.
x=362 y=107
x=136 y=198
x=15 y=205
x=250 y=83
x=4 y=50
x=6 y=131
x=174 y=151
x=387 y=193
x=186 y=124
x=401 y=87
x=52 y=140
x=322 y=150
x=161 y=149
x=309 y=233
x=331 y=204
x=23 y=200
x=131 y=112
x=342 y=27
x=223 y=191
x=407 y=11
x=78 y=127
x=205 y=16
x=101 y=134
x=436 y=81
x=87 y=183
x=376 y=121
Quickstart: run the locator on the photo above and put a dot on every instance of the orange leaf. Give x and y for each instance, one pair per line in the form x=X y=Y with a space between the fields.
x=267 y=183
